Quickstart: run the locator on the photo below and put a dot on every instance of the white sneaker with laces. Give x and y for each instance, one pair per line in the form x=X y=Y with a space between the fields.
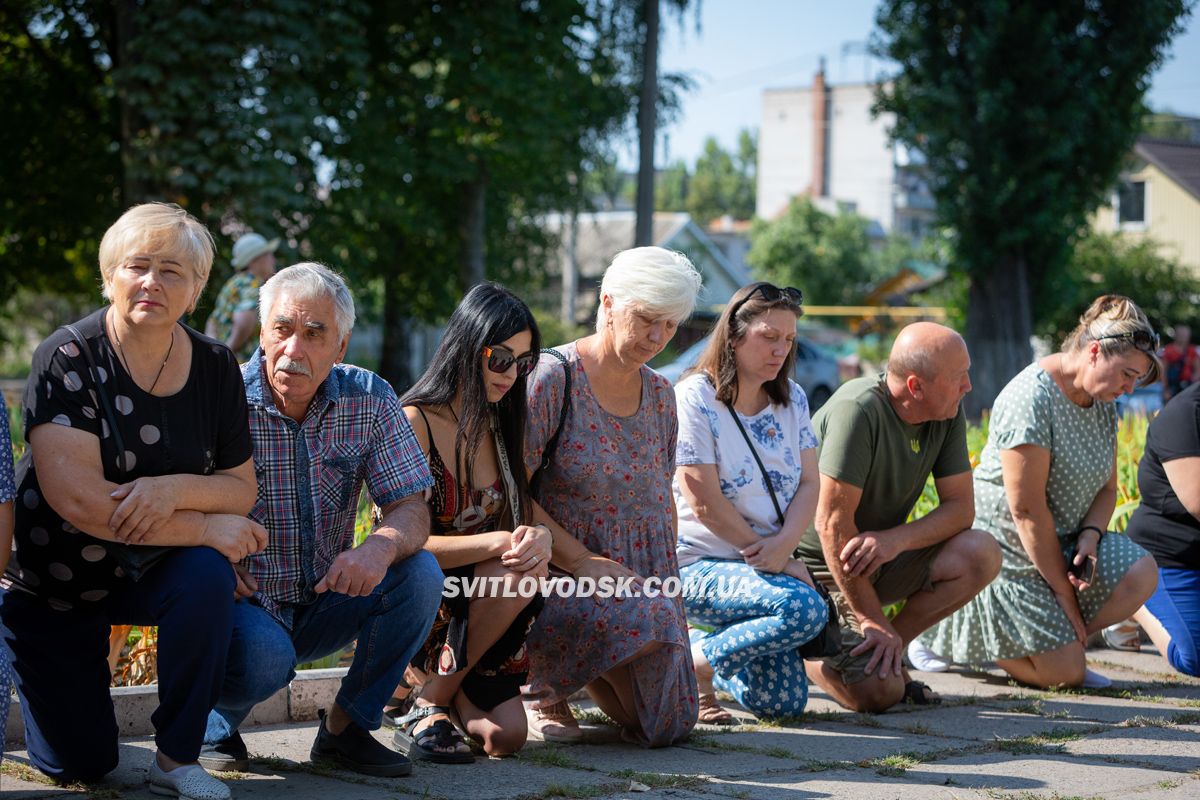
x=190 y=782
x=924 y=659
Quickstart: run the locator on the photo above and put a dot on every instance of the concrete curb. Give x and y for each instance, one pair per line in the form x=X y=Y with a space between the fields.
x=311 y=690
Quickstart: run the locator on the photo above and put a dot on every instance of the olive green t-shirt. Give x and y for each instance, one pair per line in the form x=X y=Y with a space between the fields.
x=864 y=443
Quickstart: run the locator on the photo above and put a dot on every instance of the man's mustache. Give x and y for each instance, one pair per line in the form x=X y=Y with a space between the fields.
x=285 y=364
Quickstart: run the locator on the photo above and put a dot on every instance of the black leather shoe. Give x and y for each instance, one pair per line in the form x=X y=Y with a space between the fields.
x=227 y=755
x=357 y=750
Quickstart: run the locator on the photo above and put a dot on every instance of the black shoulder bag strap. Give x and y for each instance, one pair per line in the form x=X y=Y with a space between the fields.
x=828 y=642
x=757 y=460
x=552 y=444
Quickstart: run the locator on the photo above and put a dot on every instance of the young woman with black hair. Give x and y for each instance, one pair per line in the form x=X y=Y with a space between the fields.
x=468 y=412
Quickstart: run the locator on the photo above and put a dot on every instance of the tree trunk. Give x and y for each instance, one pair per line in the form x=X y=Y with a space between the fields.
x=999 y=327
x=133 y=190
x=570 y=272
x=647 y=122
x=397 y=334
x=474 y=247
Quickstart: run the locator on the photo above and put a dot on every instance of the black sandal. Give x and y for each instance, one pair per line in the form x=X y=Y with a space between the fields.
x=399 y=707
x=440 y=734
x=915 y=694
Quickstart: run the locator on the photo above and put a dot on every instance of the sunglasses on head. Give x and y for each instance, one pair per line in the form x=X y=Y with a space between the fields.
x=1142 y=339
x=772 y=294
x=500 y=358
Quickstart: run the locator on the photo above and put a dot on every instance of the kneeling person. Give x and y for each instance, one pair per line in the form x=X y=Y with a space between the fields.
x=320 y=429
x=880 y=441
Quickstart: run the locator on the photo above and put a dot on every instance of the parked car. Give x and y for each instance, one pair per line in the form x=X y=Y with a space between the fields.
x=816 y=370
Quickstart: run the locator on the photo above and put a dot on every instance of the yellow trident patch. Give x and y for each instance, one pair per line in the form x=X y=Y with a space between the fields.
x=915 y=444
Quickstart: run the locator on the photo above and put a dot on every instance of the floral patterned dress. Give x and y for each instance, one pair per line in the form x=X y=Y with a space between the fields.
x=609 y=485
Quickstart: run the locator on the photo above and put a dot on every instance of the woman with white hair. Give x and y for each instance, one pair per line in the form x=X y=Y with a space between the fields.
x=131 y=505
x=1046 y=488
x=600 y=445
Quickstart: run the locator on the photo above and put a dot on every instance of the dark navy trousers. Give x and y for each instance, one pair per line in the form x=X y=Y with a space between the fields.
x=60 y=662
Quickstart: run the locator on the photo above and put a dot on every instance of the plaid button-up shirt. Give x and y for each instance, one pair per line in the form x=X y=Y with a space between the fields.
x=310 y=474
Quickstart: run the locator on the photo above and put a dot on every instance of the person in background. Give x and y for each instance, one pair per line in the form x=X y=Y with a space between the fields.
x=742 y=419
x=1167 y=524
x=1181 y=362
x=468 y=414
x=605 y=494
x=181 y=477
x=1046 y=488
x=881 y=438
x=234 y=319
x=8 y=491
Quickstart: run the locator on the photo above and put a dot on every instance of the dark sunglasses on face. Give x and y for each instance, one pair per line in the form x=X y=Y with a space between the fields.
x=772 y=294
x=500 y=358
x=1144 y=340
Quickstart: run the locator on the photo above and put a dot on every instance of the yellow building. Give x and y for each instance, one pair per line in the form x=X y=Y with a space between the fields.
x=1159 y=196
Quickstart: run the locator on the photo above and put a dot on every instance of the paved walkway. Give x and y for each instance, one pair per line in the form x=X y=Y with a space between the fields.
x=1139 y=739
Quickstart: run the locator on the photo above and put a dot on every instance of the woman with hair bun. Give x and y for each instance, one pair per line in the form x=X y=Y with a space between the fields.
x=1046 y=489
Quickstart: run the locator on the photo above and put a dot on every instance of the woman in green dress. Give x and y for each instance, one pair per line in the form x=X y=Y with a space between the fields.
x=1046 y=489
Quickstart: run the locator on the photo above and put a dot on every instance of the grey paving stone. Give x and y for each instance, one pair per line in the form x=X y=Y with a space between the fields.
x=685 y=760
x=1174 y=748
x=831 y=742
x=1102 y=709
x=1062 y=773
x=843 y=784
x=16 y=789
x=983 y=723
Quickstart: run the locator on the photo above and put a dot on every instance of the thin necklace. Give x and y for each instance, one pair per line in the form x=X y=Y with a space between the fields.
x=125 y=361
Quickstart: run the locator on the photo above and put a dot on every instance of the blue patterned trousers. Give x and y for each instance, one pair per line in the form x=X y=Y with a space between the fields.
x=753 y=647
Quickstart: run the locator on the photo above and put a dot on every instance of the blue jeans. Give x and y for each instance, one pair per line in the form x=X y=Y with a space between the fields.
x=754 y=647
x=1176 y=604
x=389 y=624
x=60 y=662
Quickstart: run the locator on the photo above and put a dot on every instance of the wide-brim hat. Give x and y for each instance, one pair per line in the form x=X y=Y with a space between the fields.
x=249 y=247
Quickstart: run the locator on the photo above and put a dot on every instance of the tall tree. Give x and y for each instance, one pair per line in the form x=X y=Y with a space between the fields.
x=223 y=108
x=474 y=117
x=1024 y=110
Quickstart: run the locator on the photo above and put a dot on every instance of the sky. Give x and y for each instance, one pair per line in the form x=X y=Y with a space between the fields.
x=746 y=46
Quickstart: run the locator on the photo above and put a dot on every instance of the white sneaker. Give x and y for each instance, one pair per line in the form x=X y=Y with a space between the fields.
x=924 y=659
x=1094 y=680
x=190 y=782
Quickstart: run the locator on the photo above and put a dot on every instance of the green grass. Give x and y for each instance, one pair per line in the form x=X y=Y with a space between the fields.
x=659 y=780
x=893 y=766
x=550 y=756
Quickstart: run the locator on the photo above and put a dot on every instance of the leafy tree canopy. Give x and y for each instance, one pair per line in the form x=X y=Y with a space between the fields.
x=828 y=256
x=1024 y=110
x=1105 y=263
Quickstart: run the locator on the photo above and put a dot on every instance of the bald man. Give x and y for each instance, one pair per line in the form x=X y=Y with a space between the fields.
x=880 y=439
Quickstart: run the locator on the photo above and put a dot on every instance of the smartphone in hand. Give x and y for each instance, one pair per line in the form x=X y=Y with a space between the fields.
x=1085 y=571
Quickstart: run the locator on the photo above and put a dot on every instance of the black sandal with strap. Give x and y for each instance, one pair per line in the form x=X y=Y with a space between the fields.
x=435 y=742
x=399 y=706
x=918 y=693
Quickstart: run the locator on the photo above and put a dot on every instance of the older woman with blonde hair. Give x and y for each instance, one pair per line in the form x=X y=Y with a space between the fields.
x=600 y=444
x=131 y=505
x=1046 y=488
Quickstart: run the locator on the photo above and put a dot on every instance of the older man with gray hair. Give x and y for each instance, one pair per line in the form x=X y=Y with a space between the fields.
x=321 y=428
x=880 y=439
